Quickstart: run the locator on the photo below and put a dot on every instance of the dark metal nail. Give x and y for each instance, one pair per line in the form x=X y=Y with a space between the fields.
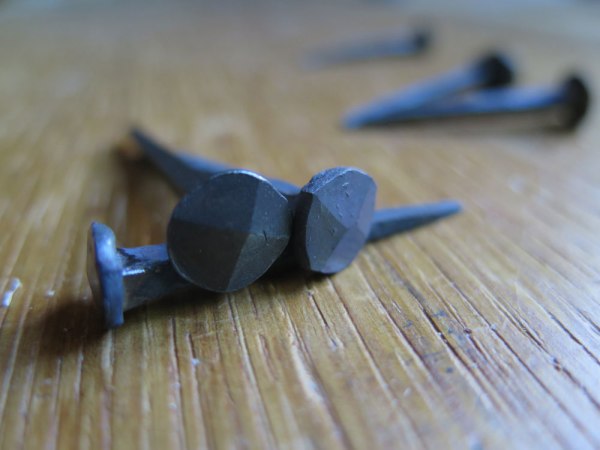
x=562 y=106
x=124 y=278
x=407 y=44
x=225 y=233
x=332 y=213
x=492 y=70
x=183 y=172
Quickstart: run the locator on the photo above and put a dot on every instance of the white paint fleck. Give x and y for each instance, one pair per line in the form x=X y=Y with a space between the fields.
x=173 y=406
x=195 y=362
x=15 y=284
x=50 y=293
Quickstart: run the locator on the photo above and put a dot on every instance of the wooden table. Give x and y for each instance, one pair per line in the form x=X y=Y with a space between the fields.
x=479 y=332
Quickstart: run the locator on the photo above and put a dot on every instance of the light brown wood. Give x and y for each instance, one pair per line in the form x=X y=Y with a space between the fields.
x=479 y=332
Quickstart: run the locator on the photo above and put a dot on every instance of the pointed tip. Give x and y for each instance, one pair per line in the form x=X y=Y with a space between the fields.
x=445 y=208
x=387 y=222
x=377 y=113
x=357 y=119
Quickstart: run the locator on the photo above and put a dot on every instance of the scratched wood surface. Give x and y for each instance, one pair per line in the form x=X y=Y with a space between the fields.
x=482 y=331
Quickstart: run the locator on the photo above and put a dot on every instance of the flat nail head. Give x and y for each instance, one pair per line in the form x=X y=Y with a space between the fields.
x=105 y=274
x=577 y=101
x=333 y=219
x=227 y=232
x=498 y=70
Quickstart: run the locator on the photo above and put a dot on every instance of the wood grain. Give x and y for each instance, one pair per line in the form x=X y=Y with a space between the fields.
x=481 y=331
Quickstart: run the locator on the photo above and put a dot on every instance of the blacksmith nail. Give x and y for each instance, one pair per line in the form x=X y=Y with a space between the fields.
x=492 y=70
x=563 y=106
x=399 y=46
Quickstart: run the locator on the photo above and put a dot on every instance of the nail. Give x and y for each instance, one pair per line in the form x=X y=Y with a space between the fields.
x=225 y=233
x=122 y=278
x=183 y=172
x=407 y=44
x=562 y=106
x=390 y=221
x=491 y=70
x=332 y=216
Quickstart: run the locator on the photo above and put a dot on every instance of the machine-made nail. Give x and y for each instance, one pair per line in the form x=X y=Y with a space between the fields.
x=491 y=70
x=563 y=106
x=332 y=213
x=124 y=278
x=402 y=45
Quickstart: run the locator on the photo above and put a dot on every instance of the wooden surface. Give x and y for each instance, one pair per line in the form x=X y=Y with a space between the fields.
x=482 y=331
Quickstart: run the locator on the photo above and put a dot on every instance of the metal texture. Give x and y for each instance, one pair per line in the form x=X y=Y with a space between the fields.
x=491 y=70
x=563 y=106
x=225 y=233
x=407 y=44
x=124 y=278
x=332 y=213
x=333 y=219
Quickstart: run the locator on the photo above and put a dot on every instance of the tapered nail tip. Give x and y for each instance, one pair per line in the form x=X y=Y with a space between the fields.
x=449 y=208
x=105 y=274
x=356 y=120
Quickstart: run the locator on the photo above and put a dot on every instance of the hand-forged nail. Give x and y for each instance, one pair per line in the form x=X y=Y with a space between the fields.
x=332 y=213
x=568 y=102
x=124 y=278
x=406 y=44
x=491 y=70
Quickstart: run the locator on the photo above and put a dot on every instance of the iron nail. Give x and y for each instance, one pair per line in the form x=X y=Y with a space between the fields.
x=491 y=70
x=402 y=45
x=562 y=107
x=333 y=212
x=124 y=278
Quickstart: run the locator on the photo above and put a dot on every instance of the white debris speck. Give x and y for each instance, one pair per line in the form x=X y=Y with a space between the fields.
x=50 y=293
x=15 y=284
x=195 y=362
x=173 y=405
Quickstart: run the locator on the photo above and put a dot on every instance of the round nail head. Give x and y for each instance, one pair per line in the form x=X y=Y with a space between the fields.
x=227 y=232
x=333 y=219
x=498 y=70
x=577 y=101
x=105 y=274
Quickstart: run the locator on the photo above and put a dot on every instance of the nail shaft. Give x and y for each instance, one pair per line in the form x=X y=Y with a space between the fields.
x=390 y=221
x=570 y=100
x=367 y=50
x=489 y=71
x=185 y=172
